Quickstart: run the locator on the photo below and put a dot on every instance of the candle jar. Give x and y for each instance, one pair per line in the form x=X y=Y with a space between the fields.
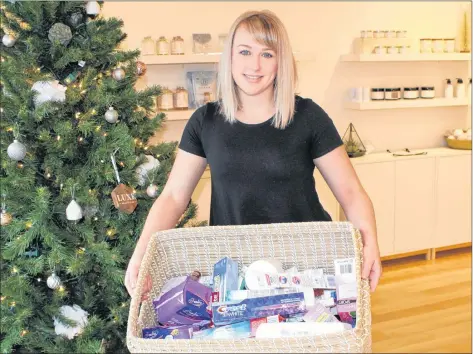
x=181 y=98
x=392 y=93
x=437 y=45
x=165 y=100
x=147 y=46
x=377 y=94
x=427 y=92
x=177 y=46
x=162 y=46
x=411 y=93
x=426 y=45
x=450 y=45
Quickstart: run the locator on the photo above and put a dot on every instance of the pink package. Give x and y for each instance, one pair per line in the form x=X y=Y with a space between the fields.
x=347 y=311
x=184 y=304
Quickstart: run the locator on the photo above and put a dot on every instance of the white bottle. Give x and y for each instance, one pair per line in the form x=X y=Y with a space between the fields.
x=460 y=93
x=449 y=89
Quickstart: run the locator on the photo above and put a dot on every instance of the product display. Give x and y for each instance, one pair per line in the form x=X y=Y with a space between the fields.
x=177 y=46
x=148 y=46
x=202 y=87
x=181 y=98
x=377 y=94
x=427 y=92
x=166 y=100
x=202 y=44
x=162 y=46
x=392 y=93
x=410 y=93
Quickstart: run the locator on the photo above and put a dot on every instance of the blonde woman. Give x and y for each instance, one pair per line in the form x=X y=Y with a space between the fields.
x=262 y=143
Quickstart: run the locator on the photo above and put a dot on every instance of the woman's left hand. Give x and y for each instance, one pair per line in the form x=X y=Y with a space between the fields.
x=372 y=268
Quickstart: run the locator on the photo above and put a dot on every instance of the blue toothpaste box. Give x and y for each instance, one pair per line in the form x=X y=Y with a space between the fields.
x=283 y=304
x=225 y=278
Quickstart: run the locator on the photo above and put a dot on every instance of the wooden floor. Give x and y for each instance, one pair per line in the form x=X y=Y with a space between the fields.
x=424 y=306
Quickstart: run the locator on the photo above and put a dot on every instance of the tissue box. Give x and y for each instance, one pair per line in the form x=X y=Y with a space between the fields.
x=185 y=304
x=225 y=278
x=284 y=304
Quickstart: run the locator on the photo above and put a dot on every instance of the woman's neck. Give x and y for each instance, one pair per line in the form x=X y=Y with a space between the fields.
x=256 y=109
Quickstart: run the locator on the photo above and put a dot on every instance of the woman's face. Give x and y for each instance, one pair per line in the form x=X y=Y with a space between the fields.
x=254 y=66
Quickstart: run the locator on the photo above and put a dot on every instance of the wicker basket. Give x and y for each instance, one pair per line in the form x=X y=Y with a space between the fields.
x=459 y=144
x=306 y=245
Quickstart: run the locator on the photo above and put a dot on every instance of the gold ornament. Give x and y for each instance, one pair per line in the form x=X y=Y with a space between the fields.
x=118 y=74
x=140 y=68
x=5 y=218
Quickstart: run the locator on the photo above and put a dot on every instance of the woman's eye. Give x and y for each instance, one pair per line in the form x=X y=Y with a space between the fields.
x=245 y=52
x=267 y=55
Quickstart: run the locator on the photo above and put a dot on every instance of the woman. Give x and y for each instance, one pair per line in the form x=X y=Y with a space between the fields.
x=262 y=143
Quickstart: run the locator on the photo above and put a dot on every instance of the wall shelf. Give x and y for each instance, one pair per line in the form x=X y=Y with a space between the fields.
x=407 y=57
x=203 y=58
x=174 y=115
x=417 y=103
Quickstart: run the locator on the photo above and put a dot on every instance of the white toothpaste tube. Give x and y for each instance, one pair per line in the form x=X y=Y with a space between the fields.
x=299 y=329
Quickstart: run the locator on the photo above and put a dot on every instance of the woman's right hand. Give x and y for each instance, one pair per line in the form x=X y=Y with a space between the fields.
x=131 y=279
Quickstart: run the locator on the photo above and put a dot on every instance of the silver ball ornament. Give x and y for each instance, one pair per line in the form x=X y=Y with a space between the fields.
x=111 y=115
x=8 y=40
x=74 y=211
x=53 y=281
x=152 y=190
x=118 y=74
x=16 y=151
x=92 y=8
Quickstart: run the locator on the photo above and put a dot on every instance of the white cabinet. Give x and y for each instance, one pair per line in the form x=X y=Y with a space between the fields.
x=453 y=212
x=414 y=205
x=378 y=181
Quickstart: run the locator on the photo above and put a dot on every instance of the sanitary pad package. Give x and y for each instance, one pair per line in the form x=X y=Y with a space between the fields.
x=184 y=304
x=182 y=332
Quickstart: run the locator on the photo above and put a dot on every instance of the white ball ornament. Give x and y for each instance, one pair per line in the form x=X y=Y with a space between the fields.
x=74 y=211
x=152 y=191
x=53 y=281
x=8 y=40
x=118 y=74
x=74 y=313
x=111 y=115
x=143 y=170
x=92 y=8
x=16 y=151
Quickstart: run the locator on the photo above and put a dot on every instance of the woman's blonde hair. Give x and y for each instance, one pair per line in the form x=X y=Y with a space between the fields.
x=268 y=30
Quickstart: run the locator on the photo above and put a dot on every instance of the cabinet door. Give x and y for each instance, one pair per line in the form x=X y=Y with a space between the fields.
x=378 y=181
x=453 y=201
x=415 y=208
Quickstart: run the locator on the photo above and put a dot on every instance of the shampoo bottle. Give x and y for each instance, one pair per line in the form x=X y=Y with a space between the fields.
x=449 y=89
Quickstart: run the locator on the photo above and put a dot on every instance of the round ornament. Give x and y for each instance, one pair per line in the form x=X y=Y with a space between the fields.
x=16 y=151
x=118 y=74
x=74 y=313
x=8 y=40
x=152 y=190
x=111 y=115
x=93 y=9
x=143 y=170
x=140 y=68
x=76 y=19
x=61 y=33
x=53 y=281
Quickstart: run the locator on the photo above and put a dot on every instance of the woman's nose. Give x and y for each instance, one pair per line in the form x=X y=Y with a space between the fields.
x=255 y=62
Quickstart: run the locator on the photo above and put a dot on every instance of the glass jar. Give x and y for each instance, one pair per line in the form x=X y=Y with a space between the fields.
x=369 y=34
x=377 y=34
x=363 y=34
x=391 y=34
x=162 y=46
x=403 y=49
x=437 y=45
x=427 y=92
x=385 y=34
x=377 y=94
x=410 y=93
x=401 y=34
x=392 y=50
x=181 y=98
x=449 y=45
x=147 y=46
x=379 y=49
x=177 y=46
x=392 y=93
x=426 y=45
x=166 y=100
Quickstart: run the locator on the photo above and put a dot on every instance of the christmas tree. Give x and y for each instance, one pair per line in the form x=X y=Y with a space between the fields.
x=77 y=179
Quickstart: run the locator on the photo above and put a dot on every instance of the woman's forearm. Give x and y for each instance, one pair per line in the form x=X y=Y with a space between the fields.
x=359 y=210
x=163 y=215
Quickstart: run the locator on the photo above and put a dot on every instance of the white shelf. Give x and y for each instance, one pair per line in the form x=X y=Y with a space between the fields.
x=408 y=57
x=203 y=58
x=178 y=114
x=403 y=103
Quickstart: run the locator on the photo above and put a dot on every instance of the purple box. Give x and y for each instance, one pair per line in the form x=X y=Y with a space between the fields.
x=184 y=304
x=183 y=332
x=283 y=304
x=347 y=311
